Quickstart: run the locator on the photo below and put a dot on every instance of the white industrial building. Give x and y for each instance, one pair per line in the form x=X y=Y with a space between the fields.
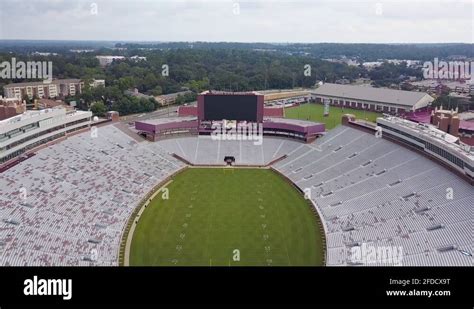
x=375 y=99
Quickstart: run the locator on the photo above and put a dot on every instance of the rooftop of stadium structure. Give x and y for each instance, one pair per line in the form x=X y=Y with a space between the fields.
x=390 y=96
x=29 y=114
x=297 y=122
x=218 y=92
x=433 y=133
x=158 y=121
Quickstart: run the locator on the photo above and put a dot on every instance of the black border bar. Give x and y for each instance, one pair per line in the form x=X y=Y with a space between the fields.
x=239 y=285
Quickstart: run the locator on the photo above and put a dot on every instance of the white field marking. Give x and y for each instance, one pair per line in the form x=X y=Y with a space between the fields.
x=278 y=149
x=336 y=164
x=210 y=223
x=284 y=235
x=185 y=225
x=169 y=222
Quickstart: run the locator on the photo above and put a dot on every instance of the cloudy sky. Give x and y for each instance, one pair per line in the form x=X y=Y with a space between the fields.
x=365 y=21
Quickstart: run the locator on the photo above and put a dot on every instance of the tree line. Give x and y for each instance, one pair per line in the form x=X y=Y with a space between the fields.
x=219 y=66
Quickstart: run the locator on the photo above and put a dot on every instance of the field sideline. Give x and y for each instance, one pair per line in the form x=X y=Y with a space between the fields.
x=228 y=217
x=315 y=112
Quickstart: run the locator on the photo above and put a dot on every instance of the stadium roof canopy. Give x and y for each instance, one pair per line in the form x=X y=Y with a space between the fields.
x=381 y=95
x=296 y=122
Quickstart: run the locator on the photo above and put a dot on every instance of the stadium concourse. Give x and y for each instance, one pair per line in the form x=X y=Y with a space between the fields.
x=70 y=203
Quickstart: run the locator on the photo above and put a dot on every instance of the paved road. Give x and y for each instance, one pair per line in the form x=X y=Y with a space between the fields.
x=163 y=112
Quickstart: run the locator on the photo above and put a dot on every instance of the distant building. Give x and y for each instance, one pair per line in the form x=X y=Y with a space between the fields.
x=57 y=88
x=41 y=90
x=18 y=104
x=372 y=64
x=10 y=107
x=107 y=60
x=343 y=81
x=167 y=99
x=138 y=58
x=45 y=54
x=450 y=121
x=345 y=60
x=135 y=93
x=113 y=115
x=97 y=82
x=446 y=120
x=48 y=103
x=470 y=83
x=437 y=86
x=81 y=50
x=375 y=99
x=361 y=81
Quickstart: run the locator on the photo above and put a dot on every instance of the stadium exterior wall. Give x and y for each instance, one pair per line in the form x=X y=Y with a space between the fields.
x=24 y=132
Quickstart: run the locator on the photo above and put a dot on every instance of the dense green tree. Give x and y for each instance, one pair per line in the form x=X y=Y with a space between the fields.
x=98 y=109
x=157 y=91
x=220 y=66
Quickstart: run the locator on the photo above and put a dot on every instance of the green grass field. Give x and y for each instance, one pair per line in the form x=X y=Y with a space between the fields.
x=315 y=112
x=211 y=212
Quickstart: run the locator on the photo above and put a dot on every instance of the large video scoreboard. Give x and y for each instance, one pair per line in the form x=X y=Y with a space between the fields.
x=240 y=107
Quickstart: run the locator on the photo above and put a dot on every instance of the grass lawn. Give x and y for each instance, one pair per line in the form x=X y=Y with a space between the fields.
x=211 y=212
x=315 y=112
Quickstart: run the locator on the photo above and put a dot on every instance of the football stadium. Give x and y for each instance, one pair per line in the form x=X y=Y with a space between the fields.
x=232 y=184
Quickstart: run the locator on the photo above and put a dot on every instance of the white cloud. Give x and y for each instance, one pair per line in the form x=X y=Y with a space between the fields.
x=263 y=21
